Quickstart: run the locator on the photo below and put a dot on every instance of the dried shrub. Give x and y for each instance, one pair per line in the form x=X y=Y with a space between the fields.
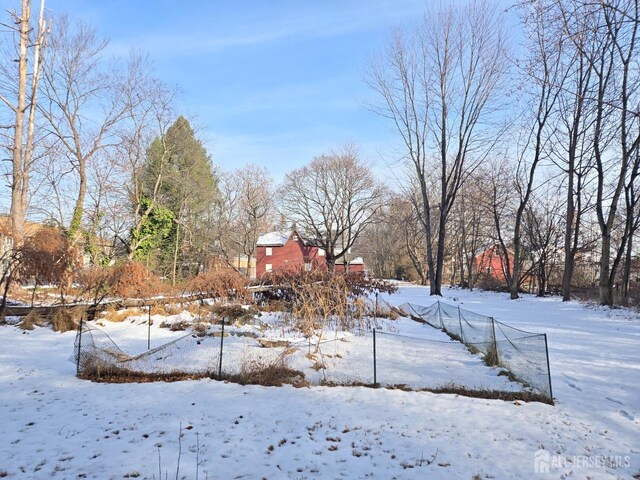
x=318 y=299
x=158 y=309
x=96 y=283
x=233 y=312
x=200 y=329
x=31 y=320
x=65 y=319
x=46 y=256
x=222 y=284
x=272 y=374
x=172 y=309
x=134 y=280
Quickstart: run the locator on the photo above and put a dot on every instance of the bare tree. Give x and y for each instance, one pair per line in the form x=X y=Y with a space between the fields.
x=611 y=29
x=250 y=194
x=621 y=18
x=544 y=77
x=24 y=85
x=573 y=134
x=82 y=103
x=471 y=226
x=148 y=115
x=333 y=199
x=439 y=87
x=543 y=233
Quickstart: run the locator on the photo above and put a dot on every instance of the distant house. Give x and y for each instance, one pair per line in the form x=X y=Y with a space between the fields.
x=245 y=265
x=490 y=262
x=291 y=251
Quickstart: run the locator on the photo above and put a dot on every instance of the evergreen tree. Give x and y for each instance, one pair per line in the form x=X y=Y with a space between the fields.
x=187 y=192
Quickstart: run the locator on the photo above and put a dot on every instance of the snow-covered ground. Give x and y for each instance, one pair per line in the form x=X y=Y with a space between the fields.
x=53 y=425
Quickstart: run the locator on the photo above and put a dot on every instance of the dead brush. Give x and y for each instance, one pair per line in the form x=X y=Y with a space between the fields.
x=31 y=320
x=158 y=309
x=268 y=374
x=65 y=319
x=122 y=315
x=172 y=309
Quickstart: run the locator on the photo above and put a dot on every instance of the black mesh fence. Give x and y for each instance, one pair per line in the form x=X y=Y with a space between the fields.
x=523 y=354
x=97 y=356
x=465 y=350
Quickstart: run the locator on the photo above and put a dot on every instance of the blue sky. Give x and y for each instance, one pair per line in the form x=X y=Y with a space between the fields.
x=272 y=83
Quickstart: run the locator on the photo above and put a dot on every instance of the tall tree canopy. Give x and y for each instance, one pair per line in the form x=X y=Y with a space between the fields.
x=179 y=177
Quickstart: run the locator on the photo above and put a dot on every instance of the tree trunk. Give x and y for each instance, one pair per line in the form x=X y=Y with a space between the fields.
x=569 y=258
x=175 y=256
x=17 y=207
x=605 y=286
x=78 y=210
x=626 y=274
x=331 y=261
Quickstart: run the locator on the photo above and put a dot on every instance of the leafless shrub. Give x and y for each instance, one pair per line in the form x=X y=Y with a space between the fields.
x=221 y=284
x=132 y=279
x=318 y=299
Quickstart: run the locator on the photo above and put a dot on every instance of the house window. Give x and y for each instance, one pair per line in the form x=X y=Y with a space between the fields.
x=268 y=251
x=320 y=252
x=268 y=267
x=307 y=267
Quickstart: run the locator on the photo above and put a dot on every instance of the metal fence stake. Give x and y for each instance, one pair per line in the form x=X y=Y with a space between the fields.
x=221 y=347
x=79 y=346
x=495 y=341
x=375 y=372
x=149 y=330
x=460 y=322
x=546 y=347
x=375 y=314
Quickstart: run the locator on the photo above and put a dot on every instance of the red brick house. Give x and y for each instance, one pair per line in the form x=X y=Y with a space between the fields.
x=290 y=250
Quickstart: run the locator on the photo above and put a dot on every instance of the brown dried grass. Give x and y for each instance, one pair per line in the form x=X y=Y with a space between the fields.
x=66 y=319
x=31 y=320
x=274 y=374
x=114 y=315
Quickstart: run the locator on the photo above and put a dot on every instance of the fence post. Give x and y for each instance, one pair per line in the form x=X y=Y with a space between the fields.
x=221 y=346
x=546 y=349
x=440 y=316
x=460 y=322
x=495 y=341
x=79 y=345
x=375 y=372
x=149 y=330
x=375 y=314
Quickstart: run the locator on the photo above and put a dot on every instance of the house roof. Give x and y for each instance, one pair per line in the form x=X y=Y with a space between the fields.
x=273 y=239
x=278 y=239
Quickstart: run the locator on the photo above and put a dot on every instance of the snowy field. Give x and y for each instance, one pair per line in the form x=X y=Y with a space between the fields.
x=54 y=425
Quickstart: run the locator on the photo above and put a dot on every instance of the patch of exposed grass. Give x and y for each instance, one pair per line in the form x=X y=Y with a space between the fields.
x=114 y=315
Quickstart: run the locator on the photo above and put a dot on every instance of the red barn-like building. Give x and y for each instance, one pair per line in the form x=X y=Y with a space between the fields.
x=490 y=261
x=290 y=250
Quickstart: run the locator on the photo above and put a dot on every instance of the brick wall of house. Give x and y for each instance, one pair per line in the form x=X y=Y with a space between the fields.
x=292 y=255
